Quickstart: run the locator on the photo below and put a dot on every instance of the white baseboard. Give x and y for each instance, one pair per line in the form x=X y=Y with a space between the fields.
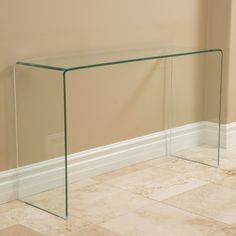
x=228 y=135
x=49 y=174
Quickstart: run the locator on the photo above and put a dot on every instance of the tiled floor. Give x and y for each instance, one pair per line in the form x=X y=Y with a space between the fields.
x=163 y=197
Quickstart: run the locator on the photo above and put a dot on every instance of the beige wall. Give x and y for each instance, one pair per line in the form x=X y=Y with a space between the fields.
x=31 y=28
x=231 y=96
x=218 y=35
x=222 y=33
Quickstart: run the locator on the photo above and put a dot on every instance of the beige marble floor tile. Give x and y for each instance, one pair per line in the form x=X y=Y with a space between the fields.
x=159 y=220
x=101 y=202
x=228 y=231
x=54 y=200
x=55 y=204
x=93 y=230
x=228 y=162
x=193 y=170
x=211 y=200
x=11 y=205
x=81 y=184
x=228 y=152
x=156 y=183
x=173 y=163
x=165 y=189
x=45 y=223
x=203 y=154
x=95 y=191
x=19 y=230
x=229 y=182
x=5 y=221
x=202 y=158
x=128 y=180
x=53 y=194
x=160 y=160
x=122 y=172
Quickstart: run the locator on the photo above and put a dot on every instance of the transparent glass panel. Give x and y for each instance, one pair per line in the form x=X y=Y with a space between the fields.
x=111 y=97
x=115 y=103
x=195 y=107
x=41 y=139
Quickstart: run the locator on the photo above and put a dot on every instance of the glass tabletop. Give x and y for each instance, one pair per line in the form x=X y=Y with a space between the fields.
x=86 y=59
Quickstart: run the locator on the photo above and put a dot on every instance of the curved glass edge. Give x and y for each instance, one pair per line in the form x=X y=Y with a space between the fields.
x=83 y=61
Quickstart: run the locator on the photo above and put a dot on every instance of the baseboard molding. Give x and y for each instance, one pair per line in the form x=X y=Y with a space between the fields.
x=20 y=182
x=228 y=135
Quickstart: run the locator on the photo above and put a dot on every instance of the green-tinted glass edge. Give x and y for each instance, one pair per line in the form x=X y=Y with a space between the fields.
x=65 y=143
x=220 y=106
x=115 y=62
x=40 y=66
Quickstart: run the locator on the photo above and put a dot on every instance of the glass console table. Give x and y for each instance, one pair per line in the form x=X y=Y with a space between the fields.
x=69 y=104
